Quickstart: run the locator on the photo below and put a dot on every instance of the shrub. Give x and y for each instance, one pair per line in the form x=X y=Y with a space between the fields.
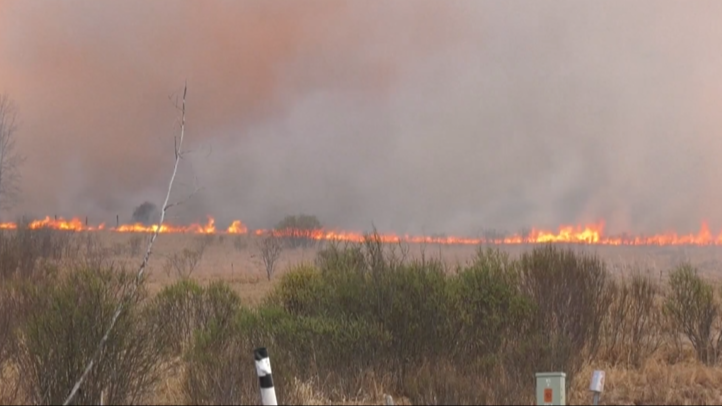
x=489 y=317
x=24 y=251
x=486 y=297
x=185 y=262
x=63 y=321
x=89 y=253
x=692 y=311
x=571 y=299
x=220 y=369
x=184 y=307
x=301 y=291
x=335 y=258
x=176 y=310
x=424 y=315
x=634 y=327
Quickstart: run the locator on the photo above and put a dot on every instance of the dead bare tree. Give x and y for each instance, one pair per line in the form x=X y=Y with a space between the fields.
x=139 y=278
x=185 y=262
x=10 y=158
x=270 y=253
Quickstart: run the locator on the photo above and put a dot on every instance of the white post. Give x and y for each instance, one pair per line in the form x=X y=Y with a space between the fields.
x=265 y=379
x=597 y=386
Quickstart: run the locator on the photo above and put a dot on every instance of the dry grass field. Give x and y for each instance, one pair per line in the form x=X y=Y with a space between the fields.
x=671 y=375
x=243 y=268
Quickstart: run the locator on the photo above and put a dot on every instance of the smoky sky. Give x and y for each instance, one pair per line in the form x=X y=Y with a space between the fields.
x=413 y=116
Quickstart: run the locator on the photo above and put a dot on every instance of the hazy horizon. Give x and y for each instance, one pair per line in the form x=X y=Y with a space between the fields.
x=415 y=116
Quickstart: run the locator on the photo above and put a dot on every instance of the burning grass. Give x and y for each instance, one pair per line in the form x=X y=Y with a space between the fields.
x=353 y=323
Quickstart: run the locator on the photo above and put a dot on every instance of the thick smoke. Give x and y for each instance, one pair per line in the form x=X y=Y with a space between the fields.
x=410 y=115
x=147 y=213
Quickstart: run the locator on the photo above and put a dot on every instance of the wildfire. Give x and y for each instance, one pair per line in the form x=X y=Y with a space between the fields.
x=237 y=228
x=589 y=234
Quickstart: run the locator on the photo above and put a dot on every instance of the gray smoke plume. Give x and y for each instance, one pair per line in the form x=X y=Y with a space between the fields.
x=415 y=116
x=146 y=213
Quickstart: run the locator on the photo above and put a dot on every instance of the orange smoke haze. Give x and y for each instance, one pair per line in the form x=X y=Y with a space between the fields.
x=587 y=234
x=412 y=115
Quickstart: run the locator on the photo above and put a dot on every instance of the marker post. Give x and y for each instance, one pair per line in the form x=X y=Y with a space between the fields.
x=597 y=386
x=265 y=379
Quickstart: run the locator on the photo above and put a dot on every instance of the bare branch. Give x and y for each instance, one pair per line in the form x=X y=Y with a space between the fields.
x=141 y=270
x=181 y=202
x=185 y=262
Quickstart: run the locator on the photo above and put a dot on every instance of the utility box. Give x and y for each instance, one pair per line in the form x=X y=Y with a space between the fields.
x=551 y=388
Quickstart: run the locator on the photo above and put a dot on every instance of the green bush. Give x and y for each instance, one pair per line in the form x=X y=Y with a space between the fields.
x=426 y=315
x=571 y=297
x=486 y=297
x=63 y=320
x=220 y=369
x=338 y=258
x=184 y=307
x=301 y=291
x=692 y=311
x=409 y=301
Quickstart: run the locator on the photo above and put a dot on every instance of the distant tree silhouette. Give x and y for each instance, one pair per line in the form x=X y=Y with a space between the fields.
x=145 y=213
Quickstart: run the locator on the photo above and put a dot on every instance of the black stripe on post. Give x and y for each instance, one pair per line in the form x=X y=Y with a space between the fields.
x=265 y=382
x=265 y=378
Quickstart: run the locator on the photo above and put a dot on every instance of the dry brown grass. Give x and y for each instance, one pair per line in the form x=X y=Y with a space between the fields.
x=655 y=383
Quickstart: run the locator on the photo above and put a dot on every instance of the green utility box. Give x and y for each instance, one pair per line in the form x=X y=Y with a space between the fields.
x=551 y=388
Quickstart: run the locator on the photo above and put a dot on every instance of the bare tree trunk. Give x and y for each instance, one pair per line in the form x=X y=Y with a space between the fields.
x=270 y=253
x=144 y=263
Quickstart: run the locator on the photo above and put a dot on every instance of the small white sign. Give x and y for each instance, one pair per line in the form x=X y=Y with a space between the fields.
x=597 y=384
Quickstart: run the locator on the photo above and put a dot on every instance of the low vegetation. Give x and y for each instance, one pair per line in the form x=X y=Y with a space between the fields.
x=182 y=264
x=358 y=321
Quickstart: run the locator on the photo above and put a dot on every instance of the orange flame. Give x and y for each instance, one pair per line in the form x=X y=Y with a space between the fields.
x=208 y=228
x=589 y=234
x=237 y=228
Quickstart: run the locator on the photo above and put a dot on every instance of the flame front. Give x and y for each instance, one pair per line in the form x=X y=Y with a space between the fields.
x=589 y=234
x=237 y=228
